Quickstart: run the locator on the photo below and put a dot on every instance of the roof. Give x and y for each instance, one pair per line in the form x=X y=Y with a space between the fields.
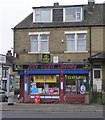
x=61 y=6
x=94 y=19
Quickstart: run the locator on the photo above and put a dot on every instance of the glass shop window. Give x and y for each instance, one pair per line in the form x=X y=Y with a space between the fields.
x=76 y=84
x=44 y=84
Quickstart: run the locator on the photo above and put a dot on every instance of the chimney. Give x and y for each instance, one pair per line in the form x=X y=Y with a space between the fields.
x=91 y=4
x=56 y=4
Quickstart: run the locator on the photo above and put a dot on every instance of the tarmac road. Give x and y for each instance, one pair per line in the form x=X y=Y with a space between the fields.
x=31 y=110
x=25 y=114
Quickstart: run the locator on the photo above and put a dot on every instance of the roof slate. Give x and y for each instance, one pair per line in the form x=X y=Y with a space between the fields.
x=94 y=19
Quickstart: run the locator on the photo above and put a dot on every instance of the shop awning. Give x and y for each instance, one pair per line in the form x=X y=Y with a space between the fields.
x=43 y=72
x=53 y=72
x=75 y=72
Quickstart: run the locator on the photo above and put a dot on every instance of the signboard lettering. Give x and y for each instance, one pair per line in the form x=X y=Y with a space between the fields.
x=72 y=77
x=52 y=67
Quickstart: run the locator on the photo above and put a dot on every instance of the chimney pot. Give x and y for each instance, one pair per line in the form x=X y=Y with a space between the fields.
x=91 y=4
x=91 y=1
x=56 y=4
x=9 y=53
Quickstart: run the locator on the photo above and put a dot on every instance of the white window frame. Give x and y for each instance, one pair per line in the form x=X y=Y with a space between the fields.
x=39 y=41
x=74 y=32
x=34 y=14
x=81 y=15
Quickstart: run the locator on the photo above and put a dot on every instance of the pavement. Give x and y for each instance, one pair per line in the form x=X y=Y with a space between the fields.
x=59 y=107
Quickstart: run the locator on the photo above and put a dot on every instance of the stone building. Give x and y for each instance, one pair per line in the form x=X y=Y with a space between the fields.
x=60 y=52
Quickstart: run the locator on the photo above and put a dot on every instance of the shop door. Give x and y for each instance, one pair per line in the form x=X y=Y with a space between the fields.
x=97 y=79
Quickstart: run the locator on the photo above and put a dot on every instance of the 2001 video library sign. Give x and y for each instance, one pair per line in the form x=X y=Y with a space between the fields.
x=51 y=67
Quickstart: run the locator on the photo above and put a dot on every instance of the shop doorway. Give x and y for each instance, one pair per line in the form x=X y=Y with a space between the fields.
x=97 y=79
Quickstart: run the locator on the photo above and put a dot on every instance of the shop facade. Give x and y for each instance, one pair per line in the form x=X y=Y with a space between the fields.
x=56 y=56
x=54 y=82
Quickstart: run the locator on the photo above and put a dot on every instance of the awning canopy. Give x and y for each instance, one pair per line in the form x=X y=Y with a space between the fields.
x=99 y=57
x=52 y=72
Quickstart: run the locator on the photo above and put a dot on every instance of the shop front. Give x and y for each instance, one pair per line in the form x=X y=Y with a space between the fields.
x=54 y=82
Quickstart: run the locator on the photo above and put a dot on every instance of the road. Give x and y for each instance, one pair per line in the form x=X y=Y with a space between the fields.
x=24 y=114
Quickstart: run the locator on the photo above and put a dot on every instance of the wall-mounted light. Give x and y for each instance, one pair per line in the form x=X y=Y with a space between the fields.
x=62 y=41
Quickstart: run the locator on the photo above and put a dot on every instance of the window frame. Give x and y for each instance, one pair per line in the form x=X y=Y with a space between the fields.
x=76 y=40
x=39 y=41
x=34 y=16
x=4 y=72
x=81 y=14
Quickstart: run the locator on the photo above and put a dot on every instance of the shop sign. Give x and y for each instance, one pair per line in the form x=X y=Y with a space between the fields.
x=76 y=77
x=46 y=79
x=52 y=67
x=46 y=58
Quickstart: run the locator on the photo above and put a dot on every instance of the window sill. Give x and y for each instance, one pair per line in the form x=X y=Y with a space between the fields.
x=73 y=21
x=38 y=52
x=75 y=51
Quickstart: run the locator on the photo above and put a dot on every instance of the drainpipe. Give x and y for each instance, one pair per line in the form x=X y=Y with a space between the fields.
x=91 y=80
x=90 y=41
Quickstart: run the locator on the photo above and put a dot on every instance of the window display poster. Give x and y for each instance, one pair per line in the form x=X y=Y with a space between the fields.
x=34 y=90
x=51 y=90
x=11 y=84
x=25 y=87
x=61 y=85
x=46 y=91
x=46 y=79
x=71 y=89
x=82 y=89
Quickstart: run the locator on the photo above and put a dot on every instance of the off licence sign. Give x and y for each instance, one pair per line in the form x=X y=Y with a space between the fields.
x=46 y=58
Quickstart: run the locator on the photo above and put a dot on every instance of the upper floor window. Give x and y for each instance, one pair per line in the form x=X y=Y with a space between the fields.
x=76 y=41
x=72 y=14
x=42 y=15
x=69 y=14
x=4 y=72
x=39 y=42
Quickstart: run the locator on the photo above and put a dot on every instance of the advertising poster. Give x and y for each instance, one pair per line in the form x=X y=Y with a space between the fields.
x=48 y=79
x=11 y=84
x=82 y=89
x=37 y=99
x=51 y=90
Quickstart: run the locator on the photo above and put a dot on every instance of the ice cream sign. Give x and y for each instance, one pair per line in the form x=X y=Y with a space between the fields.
x=82 y=89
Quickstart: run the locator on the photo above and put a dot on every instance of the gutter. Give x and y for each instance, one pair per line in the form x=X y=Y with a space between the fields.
x=57 y=27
